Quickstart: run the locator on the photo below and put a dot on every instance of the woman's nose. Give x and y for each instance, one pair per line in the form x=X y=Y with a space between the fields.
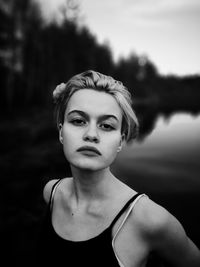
x=91 y=134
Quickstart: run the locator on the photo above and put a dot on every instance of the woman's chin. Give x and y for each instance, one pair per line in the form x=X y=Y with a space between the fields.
x=88 y=166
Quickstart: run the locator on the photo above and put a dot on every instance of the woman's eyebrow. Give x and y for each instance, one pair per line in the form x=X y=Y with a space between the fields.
x=80 y=112
x=109 y=116
x=101 y=117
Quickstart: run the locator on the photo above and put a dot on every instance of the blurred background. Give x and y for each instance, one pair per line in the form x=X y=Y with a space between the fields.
x=152 y=47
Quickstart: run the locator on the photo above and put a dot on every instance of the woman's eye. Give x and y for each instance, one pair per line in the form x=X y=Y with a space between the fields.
x=106 y=127
x=78 y=122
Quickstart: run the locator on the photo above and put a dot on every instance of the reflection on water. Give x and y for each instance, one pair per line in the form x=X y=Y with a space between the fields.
x=167 y=160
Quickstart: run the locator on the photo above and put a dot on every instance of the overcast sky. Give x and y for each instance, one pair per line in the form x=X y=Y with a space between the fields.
x=167 y=31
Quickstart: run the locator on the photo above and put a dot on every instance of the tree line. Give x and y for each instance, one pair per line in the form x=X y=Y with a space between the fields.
x=35 y=57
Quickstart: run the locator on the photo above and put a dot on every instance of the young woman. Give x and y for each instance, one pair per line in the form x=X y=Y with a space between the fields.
x=94 y=219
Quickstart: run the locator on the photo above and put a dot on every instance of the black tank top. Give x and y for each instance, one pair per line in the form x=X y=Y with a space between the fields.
x=95 y=252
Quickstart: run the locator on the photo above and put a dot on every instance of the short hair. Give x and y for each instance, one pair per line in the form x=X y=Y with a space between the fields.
x=97 y=81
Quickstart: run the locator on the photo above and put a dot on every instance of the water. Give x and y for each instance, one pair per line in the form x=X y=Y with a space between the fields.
x=168 y=160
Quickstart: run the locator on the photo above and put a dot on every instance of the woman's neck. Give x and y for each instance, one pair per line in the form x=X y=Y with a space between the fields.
x=92 y=185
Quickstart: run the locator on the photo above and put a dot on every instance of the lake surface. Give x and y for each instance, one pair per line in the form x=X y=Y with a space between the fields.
x=167 y=161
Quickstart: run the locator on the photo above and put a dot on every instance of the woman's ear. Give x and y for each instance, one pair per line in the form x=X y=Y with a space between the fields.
x=60 y=133
x=121 y=143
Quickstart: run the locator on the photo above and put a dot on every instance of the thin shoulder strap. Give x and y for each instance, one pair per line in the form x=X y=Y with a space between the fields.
x=123 y=209
x=53 y=190
x=132 y=203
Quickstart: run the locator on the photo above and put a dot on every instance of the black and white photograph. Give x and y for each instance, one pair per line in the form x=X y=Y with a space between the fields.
x=100 y=133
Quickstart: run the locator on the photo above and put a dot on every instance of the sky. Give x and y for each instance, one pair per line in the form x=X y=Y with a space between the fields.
x=166 y=31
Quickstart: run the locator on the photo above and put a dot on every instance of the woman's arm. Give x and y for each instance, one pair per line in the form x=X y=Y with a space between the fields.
x=165 y=235
x=172 y=243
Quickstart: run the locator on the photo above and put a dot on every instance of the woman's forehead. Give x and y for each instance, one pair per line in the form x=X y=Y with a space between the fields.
x=95 y=102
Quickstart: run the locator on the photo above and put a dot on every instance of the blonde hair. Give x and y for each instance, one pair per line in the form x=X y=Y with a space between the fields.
x=97 y=81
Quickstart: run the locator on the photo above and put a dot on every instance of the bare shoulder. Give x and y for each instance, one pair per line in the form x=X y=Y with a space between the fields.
x=164 y=233
x=48 y=187
x=152 y=217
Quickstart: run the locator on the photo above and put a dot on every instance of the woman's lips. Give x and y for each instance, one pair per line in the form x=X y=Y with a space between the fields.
x=89 y=150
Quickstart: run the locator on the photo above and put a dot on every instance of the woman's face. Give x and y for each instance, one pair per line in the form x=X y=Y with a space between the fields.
x=91 y=132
